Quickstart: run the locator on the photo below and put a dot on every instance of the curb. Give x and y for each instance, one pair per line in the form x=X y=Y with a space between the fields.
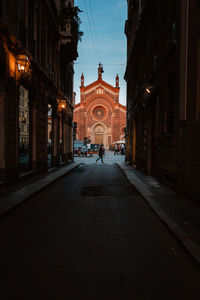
x=189 y=245
x=18 y=200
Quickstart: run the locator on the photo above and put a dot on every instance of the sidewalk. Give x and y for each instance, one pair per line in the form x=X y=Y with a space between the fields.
x=179 y=214
x=28 y=189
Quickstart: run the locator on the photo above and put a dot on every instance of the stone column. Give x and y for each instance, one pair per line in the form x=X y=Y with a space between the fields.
x=67 y=138
x=70 y=140
x=12 y=131
x=2 y=131
x=134 y=141
x=130 y=136
x=34 y=135
x=64 y=140
x=55 y=138
x=149 y=142
x=58 y=138
x=42 y=137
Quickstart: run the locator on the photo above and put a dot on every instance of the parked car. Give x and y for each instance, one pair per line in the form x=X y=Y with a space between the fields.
x=77 y=146
x=95 y=148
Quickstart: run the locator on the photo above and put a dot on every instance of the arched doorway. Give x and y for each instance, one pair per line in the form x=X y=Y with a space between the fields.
x=100 y=134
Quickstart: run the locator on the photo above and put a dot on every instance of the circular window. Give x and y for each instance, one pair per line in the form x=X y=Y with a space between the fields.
x=99 y=113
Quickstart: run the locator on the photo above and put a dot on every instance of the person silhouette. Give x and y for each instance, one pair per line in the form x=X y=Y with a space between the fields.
x=101 y=153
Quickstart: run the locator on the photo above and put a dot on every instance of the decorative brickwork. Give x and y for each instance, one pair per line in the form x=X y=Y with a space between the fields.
x=99 y=115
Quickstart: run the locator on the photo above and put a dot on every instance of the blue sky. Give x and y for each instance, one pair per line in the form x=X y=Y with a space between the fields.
x=110 y=49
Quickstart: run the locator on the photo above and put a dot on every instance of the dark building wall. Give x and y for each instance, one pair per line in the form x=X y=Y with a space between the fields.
x=191 y=125
x=153 y=63
x=163 y=57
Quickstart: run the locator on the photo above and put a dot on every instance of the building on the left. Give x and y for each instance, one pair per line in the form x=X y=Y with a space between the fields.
x=38 y=44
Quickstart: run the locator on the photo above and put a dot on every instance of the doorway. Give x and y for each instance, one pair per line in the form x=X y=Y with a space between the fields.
x=99 y=134
x=98 y=138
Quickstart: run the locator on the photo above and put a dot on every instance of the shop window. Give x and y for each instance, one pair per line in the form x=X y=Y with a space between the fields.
x=23 y=128
x=49 y=142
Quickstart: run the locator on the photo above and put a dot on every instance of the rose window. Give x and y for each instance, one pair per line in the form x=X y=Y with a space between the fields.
x=99 y=113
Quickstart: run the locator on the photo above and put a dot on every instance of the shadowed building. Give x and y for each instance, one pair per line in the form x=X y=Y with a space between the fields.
x=163 y=91
x=99 y=116
x=38 y=44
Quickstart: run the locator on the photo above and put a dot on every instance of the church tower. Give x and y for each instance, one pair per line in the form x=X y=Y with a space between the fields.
x=100 y=71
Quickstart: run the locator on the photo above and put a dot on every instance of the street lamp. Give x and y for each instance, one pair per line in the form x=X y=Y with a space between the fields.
x=61 y=104
x=148 y=89
x=23 y=63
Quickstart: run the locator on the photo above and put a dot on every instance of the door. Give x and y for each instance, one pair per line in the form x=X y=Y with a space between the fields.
x=99 y=139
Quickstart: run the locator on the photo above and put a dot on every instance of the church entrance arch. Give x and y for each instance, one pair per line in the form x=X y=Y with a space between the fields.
x=99 y=134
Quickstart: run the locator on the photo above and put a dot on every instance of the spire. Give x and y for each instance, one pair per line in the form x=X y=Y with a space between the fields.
x=82 y=80
x=117 y=81
x=100 y=71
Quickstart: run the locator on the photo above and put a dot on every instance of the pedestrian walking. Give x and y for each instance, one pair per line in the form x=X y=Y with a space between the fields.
x=101 y=153
x=84 y=150
x=88 y=148
x=122 y=149
x=116 y=149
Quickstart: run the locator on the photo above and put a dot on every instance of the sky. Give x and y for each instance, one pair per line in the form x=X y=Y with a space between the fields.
x=103 y=42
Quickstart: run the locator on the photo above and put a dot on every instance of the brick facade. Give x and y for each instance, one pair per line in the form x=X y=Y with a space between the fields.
x=99 y=116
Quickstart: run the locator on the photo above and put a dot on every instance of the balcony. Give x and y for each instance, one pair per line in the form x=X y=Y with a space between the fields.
x=69 y=32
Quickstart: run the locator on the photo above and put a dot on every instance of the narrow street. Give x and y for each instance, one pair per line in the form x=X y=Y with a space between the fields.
x=90 y=235
x=88 y=77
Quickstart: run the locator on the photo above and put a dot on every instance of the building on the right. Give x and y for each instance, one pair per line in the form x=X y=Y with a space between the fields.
x=163 y=91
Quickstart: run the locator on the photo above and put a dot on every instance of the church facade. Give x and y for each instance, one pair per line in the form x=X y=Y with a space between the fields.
x=99 y=115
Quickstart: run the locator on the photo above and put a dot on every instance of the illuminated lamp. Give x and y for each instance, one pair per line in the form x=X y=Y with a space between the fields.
x=148 y=89
x=61 y=104
x=23 y=63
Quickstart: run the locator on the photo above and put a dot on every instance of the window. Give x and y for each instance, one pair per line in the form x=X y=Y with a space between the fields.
x=140 y=8
x=1 y=9
x=21 y=9
x=99 y=91
x=38 y=24
x=23 y=123
x=198 y=79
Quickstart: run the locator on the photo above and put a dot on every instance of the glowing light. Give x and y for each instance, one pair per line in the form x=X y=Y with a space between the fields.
x=148 y=91
x=61 y=104
x=12 y=64
x=23 y=63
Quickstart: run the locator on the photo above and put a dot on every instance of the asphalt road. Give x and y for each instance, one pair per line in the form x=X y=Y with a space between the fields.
x=91 y=236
